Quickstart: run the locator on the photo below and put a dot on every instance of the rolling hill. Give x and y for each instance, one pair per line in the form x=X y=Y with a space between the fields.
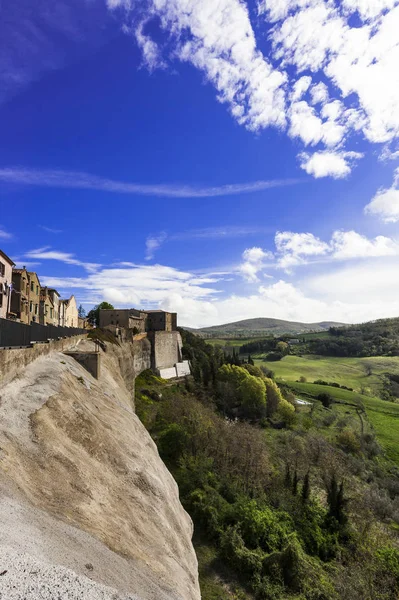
x=262 y=326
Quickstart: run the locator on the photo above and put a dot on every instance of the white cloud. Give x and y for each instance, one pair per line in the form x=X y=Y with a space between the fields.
x=385 y=203
x=4 y=235
x=153 y=243
x=300 y=87
x=253 y=262
x=349 y=244
x=218 y=39
x=293 y=248
x=329 y=164
x=151 y=53
x=359 y=60
x=85 y=181
x=319 y=93
x=305 y=124
x=47 y=253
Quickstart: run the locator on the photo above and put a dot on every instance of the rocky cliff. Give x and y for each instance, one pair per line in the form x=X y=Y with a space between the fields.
x=88 y=509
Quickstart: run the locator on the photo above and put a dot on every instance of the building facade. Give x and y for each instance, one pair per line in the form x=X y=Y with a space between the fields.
x=70 y=315
x=129 y=318
x=20 y=296
x=6 y=265
x=160 y=320
x=46 y=309
x=34 y=297
x=138 y=320
x=55 y=297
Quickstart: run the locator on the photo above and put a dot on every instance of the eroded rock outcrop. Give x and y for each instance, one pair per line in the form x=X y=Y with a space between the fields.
x=87 y=506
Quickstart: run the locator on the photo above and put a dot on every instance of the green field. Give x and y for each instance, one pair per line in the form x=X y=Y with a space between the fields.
x=352 y=372
x=382 y=415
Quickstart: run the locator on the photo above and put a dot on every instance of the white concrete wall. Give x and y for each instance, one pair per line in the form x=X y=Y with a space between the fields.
x=183 y=368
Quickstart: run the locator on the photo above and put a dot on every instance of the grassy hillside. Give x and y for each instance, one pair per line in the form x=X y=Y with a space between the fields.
x=381 y=415
x=262 y=326
x=358 y=373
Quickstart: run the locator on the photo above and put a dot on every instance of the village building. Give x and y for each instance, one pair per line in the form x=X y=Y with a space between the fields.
x=139 y=321
x=20 y=296
x=55 y=297
x=6 y=265
x=34 y=297
x=129 y=318
x=46 y=310
x=160 y=320
x=69 y=312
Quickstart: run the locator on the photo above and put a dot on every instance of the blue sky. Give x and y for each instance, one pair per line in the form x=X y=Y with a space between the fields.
x=226 y=160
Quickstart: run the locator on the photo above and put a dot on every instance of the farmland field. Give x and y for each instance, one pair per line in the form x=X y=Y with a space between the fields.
x=361 y=374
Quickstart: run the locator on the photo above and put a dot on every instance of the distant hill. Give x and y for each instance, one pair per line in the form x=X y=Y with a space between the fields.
x=262 y=326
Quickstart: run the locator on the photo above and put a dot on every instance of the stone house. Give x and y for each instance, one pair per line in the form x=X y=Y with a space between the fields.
x=160 y=320
x=129 y=318
x=34 y=297
x=6 y=265
x=46 y=310
x=55 y=297
x=20 y=295
x=69 y=311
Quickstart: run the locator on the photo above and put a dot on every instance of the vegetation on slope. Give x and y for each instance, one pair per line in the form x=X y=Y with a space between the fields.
x=293 y=503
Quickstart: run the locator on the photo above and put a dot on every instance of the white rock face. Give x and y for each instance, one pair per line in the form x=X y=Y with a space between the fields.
x=87 y=507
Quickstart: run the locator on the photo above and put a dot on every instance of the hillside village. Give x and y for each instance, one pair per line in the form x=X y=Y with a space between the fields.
x=24 y=299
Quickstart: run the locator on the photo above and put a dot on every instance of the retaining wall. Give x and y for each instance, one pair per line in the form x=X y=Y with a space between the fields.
x=15 y=359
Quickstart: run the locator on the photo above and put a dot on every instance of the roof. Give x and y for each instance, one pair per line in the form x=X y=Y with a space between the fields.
x=7 y=258
x=19 y=271
x=54 y=291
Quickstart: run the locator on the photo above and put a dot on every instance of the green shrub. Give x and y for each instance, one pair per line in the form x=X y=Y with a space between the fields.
x=172 y=442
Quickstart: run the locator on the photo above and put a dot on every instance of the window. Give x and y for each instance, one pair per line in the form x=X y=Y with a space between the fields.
x=32 y=286
x=37 y=290
x=36 y=307
x=31 y=306
x=2 y=269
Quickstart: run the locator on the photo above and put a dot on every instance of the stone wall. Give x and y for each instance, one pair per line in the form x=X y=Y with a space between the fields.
x=13 y=361
x=166 y=349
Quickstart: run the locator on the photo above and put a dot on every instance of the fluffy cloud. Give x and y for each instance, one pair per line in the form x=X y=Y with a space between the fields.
x=254 y=261
x=293 y=248
x=349 y=244
x=297 y=248
x=317 y=36
x=385 y=203
x=329 y=164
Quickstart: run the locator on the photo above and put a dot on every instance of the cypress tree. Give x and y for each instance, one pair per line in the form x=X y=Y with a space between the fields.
x=306 y=488
x=295 y=483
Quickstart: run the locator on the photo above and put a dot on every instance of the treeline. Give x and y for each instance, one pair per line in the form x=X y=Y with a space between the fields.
x=378 y=338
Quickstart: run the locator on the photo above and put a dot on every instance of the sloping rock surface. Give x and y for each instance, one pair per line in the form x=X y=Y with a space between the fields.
x=87 y=507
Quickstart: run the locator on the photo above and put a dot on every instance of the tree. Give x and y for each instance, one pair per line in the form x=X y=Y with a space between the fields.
x=325 y=399
x=306 y=488
x=283 y=348
x=94 y=314
x=250 y=361
x=295 y=483
x=81 y=312
x=253 y=396
x=336 y=500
